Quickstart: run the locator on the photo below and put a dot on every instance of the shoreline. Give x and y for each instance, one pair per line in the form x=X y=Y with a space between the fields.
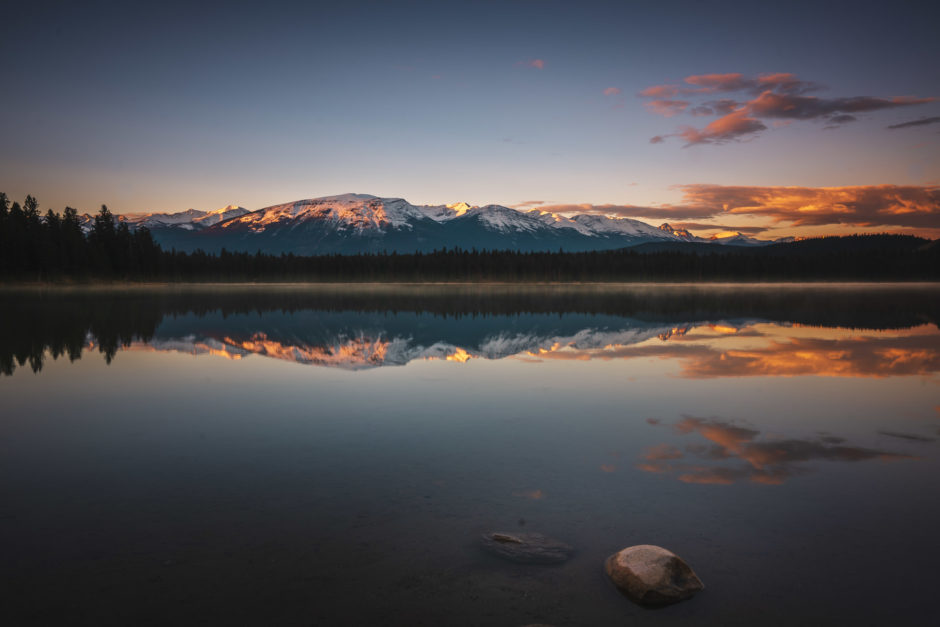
x=148 y=285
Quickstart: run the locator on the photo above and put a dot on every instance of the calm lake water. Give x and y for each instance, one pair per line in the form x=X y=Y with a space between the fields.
x=304 y=455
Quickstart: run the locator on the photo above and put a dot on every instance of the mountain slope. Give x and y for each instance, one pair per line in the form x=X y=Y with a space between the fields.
x=361 y=223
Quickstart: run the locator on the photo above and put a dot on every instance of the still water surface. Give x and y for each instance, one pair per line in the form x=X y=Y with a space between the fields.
x=331 y=455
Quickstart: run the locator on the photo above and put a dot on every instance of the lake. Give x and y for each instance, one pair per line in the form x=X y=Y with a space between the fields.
x=331 y=455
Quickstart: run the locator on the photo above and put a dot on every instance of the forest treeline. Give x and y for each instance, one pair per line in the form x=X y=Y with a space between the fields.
x=37 y=247
x=53 y=247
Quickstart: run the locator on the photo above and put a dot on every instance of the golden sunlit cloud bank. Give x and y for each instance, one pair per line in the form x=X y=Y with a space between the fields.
x=780 y=211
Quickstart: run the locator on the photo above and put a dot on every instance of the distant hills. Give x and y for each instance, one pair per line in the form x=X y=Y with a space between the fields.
x=361 y=223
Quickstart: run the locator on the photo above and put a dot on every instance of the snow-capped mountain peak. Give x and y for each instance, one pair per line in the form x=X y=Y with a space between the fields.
x=503 y=219
x=736 y=238
x=680 y=233
x=355 y=223
x=359 y=212
x=220 y=215
x=460 y=208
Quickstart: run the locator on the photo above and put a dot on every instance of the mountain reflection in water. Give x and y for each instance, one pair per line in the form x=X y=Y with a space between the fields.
x=710 y=332
x=783 y=440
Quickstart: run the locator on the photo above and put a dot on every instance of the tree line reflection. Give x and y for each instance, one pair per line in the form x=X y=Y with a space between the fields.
x=861 y=331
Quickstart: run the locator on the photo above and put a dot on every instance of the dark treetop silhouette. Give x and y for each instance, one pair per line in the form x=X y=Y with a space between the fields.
x=53 y=247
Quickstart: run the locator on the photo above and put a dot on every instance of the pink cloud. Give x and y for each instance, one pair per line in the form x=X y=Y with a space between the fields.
x=611 y=91
x=730 y=127
x=718 y=82
x=778 y=96
x=538 y=64
x=667 y=108
x=660 y=91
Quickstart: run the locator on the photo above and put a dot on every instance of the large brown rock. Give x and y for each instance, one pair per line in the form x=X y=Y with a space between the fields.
x=526 y=548
x=651 y=575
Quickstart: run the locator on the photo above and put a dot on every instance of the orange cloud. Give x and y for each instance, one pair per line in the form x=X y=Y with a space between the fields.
x=917 y=354
x=912 y=206
x=867 y=205
x=742 y=455
x=611 y=91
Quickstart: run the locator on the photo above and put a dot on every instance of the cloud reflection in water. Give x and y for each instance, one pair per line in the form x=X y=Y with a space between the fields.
x=733 y=453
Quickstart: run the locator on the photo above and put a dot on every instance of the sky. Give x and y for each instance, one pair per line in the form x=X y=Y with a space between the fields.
x=773 y=119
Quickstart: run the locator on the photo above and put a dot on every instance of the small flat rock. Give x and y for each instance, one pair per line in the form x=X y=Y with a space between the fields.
x=651 y=575
x=526 y=548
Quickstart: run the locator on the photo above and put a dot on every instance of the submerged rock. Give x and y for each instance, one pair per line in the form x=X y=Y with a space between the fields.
x=526 y=548
x=651 y=575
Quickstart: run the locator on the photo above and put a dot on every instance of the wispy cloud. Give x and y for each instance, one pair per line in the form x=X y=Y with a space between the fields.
x=666 y=212
x=538 y=64
x=913 y=437
x=528 y=203
x=777 y=97
x=920 y=122
x=704 y=226
x=667 y=108
x=611 y=91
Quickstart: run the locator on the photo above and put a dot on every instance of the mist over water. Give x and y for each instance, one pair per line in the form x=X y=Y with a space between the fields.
x=331 y=455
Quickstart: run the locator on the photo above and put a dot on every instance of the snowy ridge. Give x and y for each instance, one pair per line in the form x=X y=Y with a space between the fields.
x=366 y=212
x=362 y=223
x=680 y=233
x=190 y=220
x=357 y=211
x=365 y=349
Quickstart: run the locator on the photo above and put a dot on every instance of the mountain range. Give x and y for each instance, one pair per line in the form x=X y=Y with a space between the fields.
x=361 y=223
x=355 y=341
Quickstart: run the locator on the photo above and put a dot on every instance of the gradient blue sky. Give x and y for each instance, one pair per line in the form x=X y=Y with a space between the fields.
x=167 y=106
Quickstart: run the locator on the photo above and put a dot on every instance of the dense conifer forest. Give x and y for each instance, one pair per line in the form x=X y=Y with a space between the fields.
x=52 y=247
